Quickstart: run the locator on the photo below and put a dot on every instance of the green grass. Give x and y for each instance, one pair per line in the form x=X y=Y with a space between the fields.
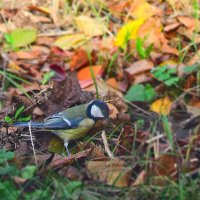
x=14 y=80
x=50 y=185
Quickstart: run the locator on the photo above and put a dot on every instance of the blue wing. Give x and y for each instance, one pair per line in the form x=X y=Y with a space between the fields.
x=54 y=122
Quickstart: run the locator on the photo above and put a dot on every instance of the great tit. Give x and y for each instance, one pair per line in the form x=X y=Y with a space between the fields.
x=72 y=123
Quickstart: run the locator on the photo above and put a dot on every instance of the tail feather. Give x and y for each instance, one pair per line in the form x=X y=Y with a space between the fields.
x=50 y=125
x=32 y=124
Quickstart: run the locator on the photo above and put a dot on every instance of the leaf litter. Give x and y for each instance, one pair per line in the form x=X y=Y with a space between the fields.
x=133 y=55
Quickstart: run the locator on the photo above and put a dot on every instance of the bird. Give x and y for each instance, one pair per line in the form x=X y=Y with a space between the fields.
x=73 y=123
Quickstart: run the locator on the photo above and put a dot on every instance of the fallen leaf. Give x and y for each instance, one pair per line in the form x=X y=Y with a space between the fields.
x=189 y=22
x=138 y=67
x=39 y=9
x=27 y=55
x=89 y=26
x=70 y=41
x=37 y=111
x=56 y=146
x=118 y=7
x=161 y=106
x=129 y=31
x=45 y=40
x=171 y=27
x=140 y=179
x=12 y=5
x=21 y=37
x=85 y=75
x=71 y=173
x=60 y=74
x=81 y=58
x=144 y=10
x=111 y=172
x=166 y=165
x=15 y=68
x=112 y=111
x=151 y=30
x=142 y=78
x=139 y=92
x=113 y=83
x=59 y=161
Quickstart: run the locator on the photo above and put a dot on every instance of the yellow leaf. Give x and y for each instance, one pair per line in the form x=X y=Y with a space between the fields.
x=128 y=32
x=144 y=11
x=56 y=146
x=89 y=26
x=161 y=106
x=170 y=62
x=70 y=41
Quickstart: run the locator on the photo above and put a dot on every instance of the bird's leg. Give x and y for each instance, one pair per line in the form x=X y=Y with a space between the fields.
x=66 y=142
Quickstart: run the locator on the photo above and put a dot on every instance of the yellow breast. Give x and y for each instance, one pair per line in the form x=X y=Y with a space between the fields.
x=73 y=134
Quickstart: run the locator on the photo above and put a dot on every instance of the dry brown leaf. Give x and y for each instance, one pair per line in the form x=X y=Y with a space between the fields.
x=140 y=178
x=111 y=172
x=141 y=78
x=37 y=111
x=44 y=40
x=138 y=67
x=113 y=83
x=28 y=55
x=189 y=22
x=113 y=111
x=59 y=161
x=118 y=7
x=171 y=27
x=10 y=4
x=165 y=165
x=71 y=173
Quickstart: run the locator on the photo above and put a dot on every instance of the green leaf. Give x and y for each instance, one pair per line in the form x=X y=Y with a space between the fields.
x=166 y=75
x=20 y=37
x=8 y=190
x=5 y=155
x=140 y=49
x=190 y=69
x=140 y=92
x=149 y=49
x=72 y=186
x=7 y=170
x=19 y=111
x=8 y=119
x=172 y=81
x=149 y=93
x=25 y=119
x=47 y=77
x=28 y=171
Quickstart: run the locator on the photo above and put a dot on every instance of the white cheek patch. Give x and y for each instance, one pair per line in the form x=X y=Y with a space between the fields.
x=96 y=111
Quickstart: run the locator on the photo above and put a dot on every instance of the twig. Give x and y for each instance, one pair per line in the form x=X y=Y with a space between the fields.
x=140 y=109
x=29 y=126
x=60 y=33
x=105 y=142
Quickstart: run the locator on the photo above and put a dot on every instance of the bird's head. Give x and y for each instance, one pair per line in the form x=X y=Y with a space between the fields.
x=97 y=110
